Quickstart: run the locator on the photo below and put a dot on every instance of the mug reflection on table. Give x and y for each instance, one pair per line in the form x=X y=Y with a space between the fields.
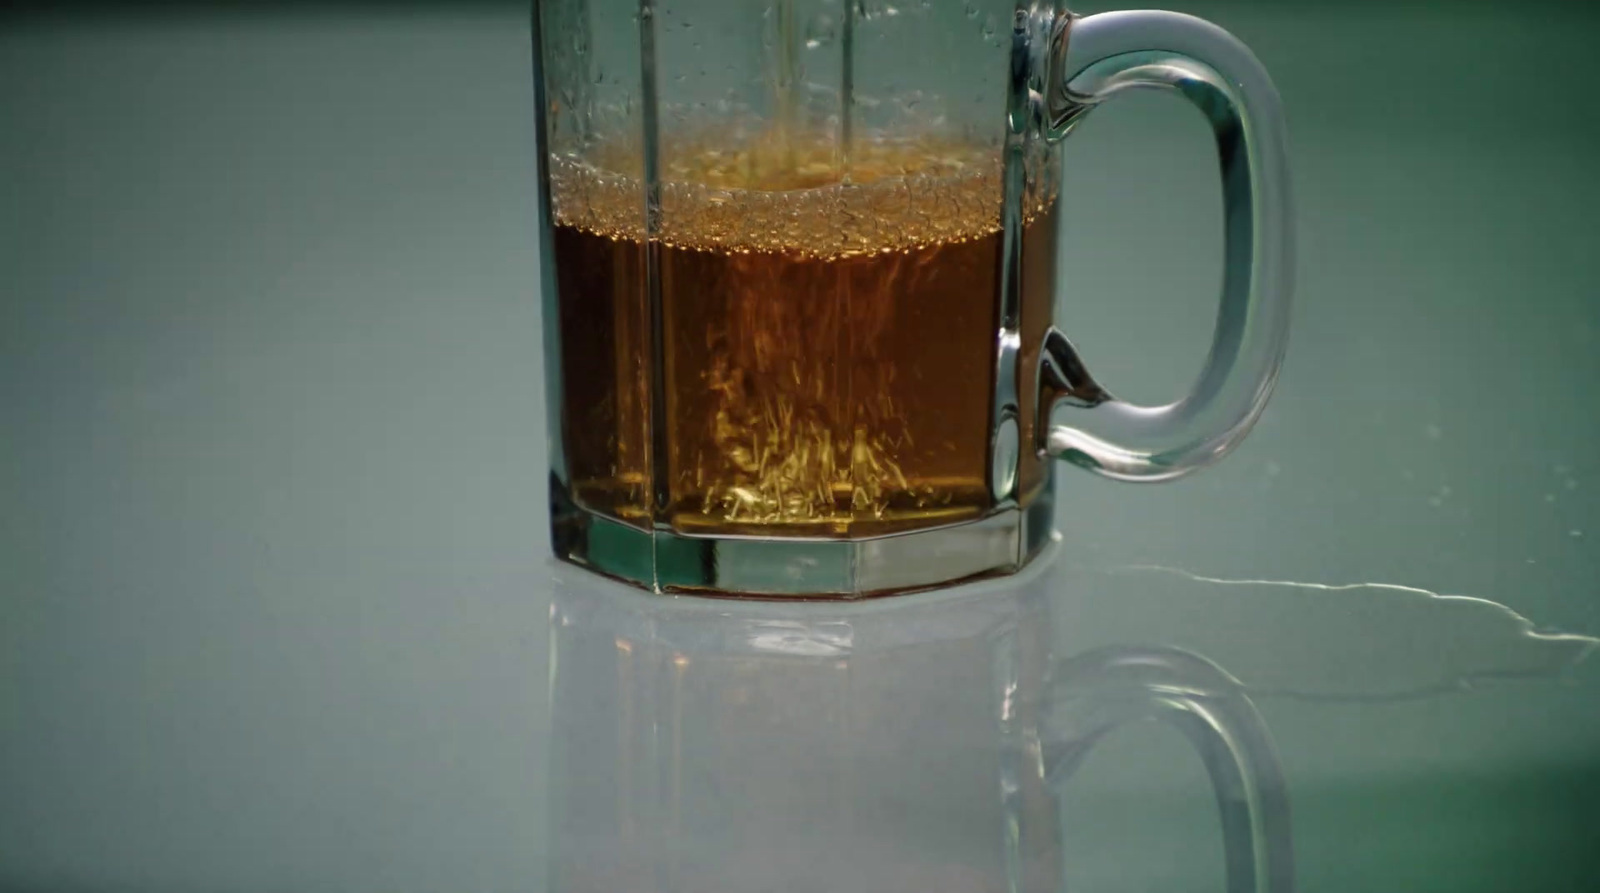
x=909 y=744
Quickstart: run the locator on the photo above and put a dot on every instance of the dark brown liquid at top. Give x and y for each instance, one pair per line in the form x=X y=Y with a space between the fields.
x=828 y=349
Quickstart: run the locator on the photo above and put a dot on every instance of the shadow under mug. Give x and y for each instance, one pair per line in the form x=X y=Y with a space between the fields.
x=904 y=744
x=799 y=277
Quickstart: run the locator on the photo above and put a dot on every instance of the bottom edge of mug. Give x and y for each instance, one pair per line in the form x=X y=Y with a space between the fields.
x=666 y=561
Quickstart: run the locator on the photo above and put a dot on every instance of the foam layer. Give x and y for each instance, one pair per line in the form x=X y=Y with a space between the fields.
x=792 y=197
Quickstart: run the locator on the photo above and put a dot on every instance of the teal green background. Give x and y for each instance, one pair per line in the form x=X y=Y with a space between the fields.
x=273 y=581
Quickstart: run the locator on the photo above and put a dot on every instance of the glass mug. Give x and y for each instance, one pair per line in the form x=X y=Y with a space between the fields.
x=924 y=744
x=800 y=273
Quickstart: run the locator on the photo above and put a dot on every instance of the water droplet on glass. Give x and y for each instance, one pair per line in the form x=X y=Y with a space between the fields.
x=972 y=10
x=819 y=31
x=1575 y=533
x=990 y=26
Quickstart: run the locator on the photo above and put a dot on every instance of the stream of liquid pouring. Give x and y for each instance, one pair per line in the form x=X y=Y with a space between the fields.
x=788 y=80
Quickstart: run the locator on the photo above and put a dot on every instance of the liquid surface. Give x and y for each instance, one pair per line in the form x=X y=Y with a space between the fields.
x=828 y=341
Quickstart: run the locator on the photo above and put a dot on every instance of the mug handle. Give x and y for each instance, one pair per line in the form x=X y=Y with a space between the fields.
x=1092 y=59
x=1098 y=691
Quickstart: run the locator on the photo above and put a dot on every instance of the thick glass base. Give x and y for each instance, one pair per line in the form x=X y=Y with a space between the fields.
x=665 y=560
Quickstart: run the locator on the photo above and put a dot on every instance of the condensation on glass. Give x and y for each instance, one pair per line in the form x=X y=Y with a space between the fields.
x=800 y=275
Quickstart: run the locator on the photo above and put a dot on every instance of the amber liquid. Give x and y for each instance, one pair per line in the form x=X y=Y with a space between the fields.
x=827 y=337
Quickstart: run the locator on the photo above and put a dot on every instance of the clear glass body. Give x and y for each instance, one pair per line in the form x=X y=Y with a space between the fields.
x=799 y=287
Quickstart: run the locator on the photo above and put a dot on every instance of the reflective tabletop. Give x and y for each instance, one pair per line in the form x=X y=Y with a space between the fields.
x=277 y=609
